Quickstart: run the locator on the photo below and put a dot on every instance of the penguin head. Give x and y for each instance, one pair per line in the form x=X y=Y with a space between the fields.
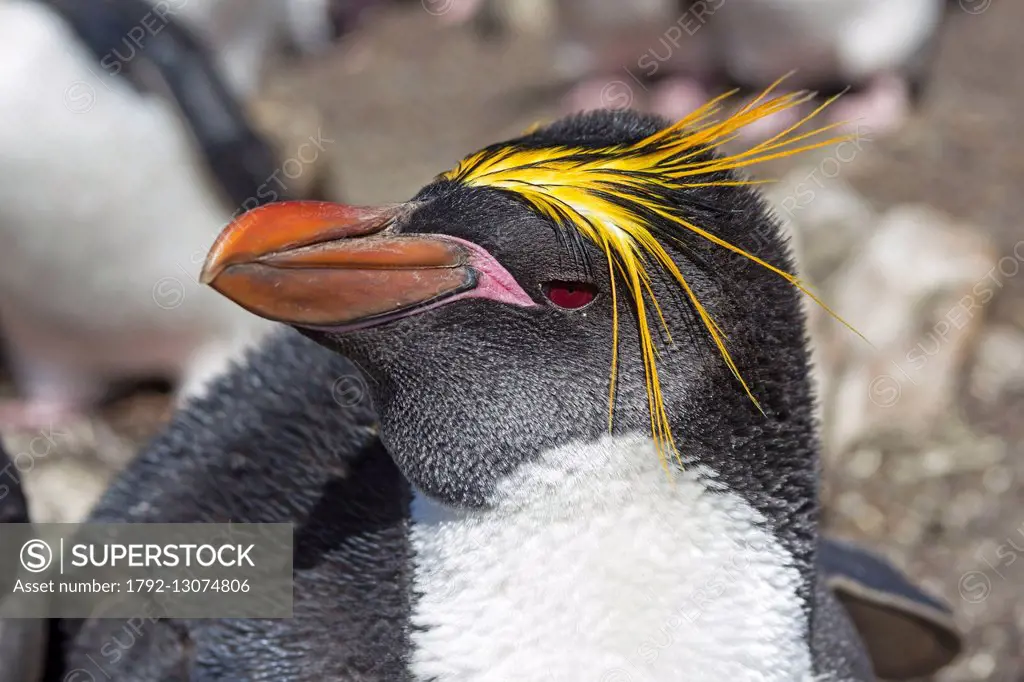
x=606 y=273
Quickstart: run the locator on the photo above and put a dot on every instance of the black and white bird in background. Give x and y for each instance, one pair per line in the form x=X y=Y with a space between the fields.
x=125 y=147
x=669 y=56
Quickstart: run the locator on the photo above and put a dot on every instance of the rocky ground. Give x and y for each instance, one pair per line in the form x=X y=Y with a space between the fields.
x=914 y=239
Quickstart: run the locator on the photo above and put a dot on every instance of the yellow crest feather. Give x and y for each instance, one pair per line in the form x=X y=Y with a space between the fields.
x=603 y=193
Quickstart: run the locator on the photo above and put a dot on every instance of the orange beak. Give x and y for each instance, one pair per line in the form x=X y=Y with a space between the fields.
x=324 y=265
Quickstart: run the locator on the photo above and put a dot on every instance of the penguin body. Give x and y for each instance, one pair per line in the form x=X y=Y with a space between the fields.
x=102 y=163
x=354 y=560
x=483 y=521
x=327 y=473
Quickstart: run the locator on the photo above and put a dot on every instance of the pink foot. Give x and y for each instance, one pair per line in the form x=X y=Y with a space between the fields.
x=34 y=415
x=600 y=93
x=882 y=107
x=674 y=98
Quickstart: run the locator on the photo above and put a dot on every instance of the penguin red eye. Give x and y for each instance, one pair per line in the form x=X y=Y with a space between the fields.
x=569 y=295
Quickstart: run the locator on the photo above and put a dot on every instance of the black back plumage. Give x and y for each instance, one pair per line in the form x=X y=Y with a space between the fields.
x=28 y=647
x=288 y=438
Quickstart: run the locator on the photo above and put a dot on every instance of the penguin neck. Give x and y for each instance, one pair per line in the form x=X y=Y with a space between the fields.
x=593 y=560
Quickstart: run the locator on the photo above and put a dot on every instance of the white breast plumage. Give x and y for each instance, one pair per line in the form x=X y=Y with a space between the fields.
x=595 y=566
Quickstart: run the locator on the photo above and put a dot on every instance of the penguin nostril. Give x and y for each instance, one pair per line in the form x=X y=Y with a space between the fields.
x=569 y=295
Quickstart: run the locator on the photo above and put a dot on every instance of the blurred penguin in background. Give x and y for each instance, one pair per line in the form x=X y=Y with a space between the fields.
x=670 y=56
x=247 y=34
x=124 y=149
x=878 y=51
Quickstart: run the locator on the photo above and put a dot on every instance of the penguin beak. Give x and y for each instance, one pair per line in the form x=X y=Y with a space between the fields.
x=331 y=266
